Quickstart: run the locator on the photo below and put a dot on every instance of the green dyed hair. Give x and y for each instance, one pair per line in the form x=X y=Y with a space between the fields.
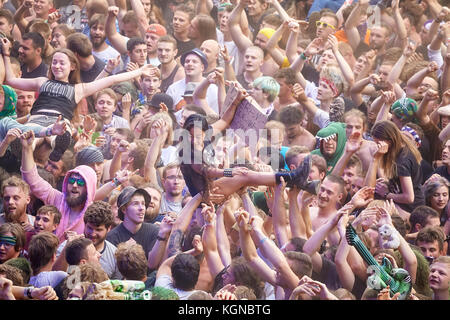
x=268 y=85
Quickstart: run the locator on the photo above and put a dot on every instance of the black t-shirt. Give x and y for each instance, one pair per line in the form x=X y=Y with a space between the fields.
x=40 y=71
x=443 y=172
x=184 y=47
x=328 y=275
x=407 y=166
x=146 y=236
x=91 y=74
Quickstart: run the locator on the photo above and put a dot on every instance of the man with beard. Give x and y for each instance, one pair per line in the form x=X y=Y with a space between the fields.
x=78 y=191
x=152 y=213
x=30 y=56
x=101 y=49
x=171 y=71
x=132 y=204
x=16 y=197
x=173 y=184
x=98 y=220
x=90 y=65
x=25 y=100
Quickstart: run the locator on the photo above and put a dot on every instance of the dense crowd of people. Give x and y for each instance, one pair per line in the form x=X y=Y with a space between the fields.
x=224 y=150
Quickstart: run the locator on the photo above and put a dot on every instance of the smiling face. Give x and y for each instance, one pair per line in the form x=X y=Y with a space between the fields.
x=42 y=7
x=95 y=233
x=25 y=100
x=329 y=194
x=193 y=66
x=439 y=198
x=44 y=222
x=58 y=39
x=61 y=67
x=7 y=250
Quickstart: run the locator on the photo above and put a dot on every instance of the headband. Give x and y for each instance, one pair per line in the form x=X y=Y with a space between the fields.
x=8 y=240
x=414 y=134
x=331 y=85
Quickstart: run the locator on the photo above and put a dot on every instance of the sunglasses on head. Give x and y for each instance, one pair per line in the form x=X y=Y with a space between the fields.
x=80 y=182
x=324 y=24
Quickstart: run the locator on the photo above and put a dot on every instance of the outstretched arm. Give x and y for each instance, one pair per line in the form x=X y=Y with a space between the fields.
x=239 y=38
x=350 y=26
x=271 y=45
x=138 y=9
x=118 y=41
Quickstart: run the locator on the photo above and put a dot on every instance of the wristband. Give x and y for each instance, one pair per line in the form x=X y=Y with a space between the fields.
x=110 y=73
x=159 y=238
x=228 y=173
x=28 y=292
x=116 y=182
x=262 y=240
x=302 y=56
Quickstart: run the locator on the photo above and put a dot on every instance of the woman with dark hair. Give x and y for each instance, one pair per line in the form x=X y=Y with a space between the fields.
x=201 y=173
x=436 y=191
x=399 y=160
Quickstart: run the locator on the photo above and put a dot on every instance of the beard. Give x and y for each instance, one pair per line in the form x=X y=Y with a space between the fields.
x=75 y=201
x=97 y=42
x=15 y=215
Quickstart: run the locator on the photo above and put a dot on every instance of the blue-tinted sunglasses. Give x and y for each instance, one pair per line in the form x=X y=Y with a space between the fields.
x=80 y=182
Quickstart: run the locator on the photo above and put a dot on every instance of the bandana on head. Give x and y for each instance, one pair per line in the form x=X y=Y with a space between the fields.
x=414 y=134
x=8 y=240
x=331 y=85
x=404 y=109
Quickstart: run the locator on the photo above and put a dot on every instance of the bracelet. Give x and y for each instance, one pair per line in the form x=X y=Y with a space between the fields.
x=49 y=131
x=302 y=56
x=262 y=240
x=228 y=173
x=116 y=182
x=28 y=291
x=110 y=73
x=159 y=238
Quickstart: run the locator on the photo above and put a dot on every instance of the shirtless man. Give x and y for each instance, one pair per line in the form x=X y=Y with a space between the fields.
x=296 y=135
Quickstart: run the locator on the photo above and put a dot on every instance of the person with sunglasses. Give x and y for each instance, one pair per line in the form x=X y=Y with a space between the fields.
x=78 y=191
x=325 y=26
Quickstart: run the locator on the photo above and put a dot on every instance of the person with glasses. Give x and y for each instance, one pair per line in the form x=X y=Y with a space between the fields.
x=78 y=191
x=173 y=184
x=325 y=26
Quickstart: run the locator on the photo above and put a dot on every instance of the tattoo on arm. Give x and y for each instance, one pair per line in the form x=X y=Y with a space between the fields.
x=175 y=241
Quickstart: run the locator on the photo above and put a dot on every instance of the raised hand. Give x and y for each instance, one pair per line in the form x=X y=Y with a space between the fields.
x=256 y=222
x=333 y=43
x=388 y=97
x=124 y=146
x=381 y=187
x=299 y=93
x=100 y=141
x=294 y=26
x=432 y=66
x=197 y=244
x=27 y=139
x=126 y=101
x=131 y=66
x=313 y=48
x=12 y=135
x=53 y=17
x=367 y=218
x=354 y=142
x=113 y=11
x=374 y=79
x=208 y=213
x=225 y=55
x=125 y=175
x=363 y=197
x=431 y=95
x=112 y=64
x=6 y=46
x=59 y=127
x=242 y=219
x=89 y=124
x=382 y=148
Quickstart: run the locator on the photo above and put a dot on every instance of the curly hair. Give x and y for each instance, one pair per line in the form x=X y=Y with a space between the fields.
x=131 y=261
x=99 y=213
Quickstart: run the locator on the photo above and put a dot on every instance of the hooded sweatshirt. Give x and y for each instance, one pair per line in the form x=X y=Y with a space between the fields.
x=50 y=196
x=334 y=128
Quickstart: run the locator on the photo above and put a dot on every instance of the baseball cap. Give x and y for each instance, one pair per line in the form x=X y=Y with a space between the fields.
x=197 y=52
x=126 y=195
x=190 y=88
x=88 y=155
x=157 y=29
x=161 y=97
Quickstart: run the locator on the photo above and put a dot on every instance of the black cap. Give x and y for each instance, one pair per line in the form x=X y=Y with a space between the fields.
x=126 y=195
x=199 y=53
x=161 y=97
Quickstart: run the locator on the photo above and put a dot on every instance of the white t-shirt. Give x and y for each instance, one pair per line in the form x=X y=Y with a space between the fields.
x=47 y=278
x=166 y=281
x=176 y=91
x=109 y=53
x=233 y=52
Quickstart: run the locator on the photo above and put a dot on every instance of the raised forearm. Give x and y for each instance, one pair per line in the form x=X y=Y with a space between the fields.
x=296 y=222
x=340 y=166
x=150 y=160
x=116 y=164
x=359 y=86
x=291 y=46
x=396 y=70
x=416 y=80
x=223 y=243
x=371 y=177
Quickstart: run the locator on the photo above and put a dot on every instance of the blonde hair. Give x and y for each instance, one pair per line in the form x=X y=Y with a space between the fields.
x=333 y=73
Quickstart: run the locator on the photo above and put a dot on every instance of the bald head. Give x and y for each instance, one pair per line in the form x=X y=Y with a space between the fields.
x=211 y=49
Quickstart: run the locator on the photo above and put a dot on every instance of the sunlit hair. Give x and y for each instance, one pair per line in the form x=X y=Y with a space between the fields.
x=74 y=75
x=333 y=73
x=268 y=85
x=388 y=131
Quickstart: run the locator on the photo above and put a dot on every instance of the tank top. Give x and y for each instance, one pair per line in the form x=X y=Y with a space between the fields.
x=165 y=83
x=55 y=95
